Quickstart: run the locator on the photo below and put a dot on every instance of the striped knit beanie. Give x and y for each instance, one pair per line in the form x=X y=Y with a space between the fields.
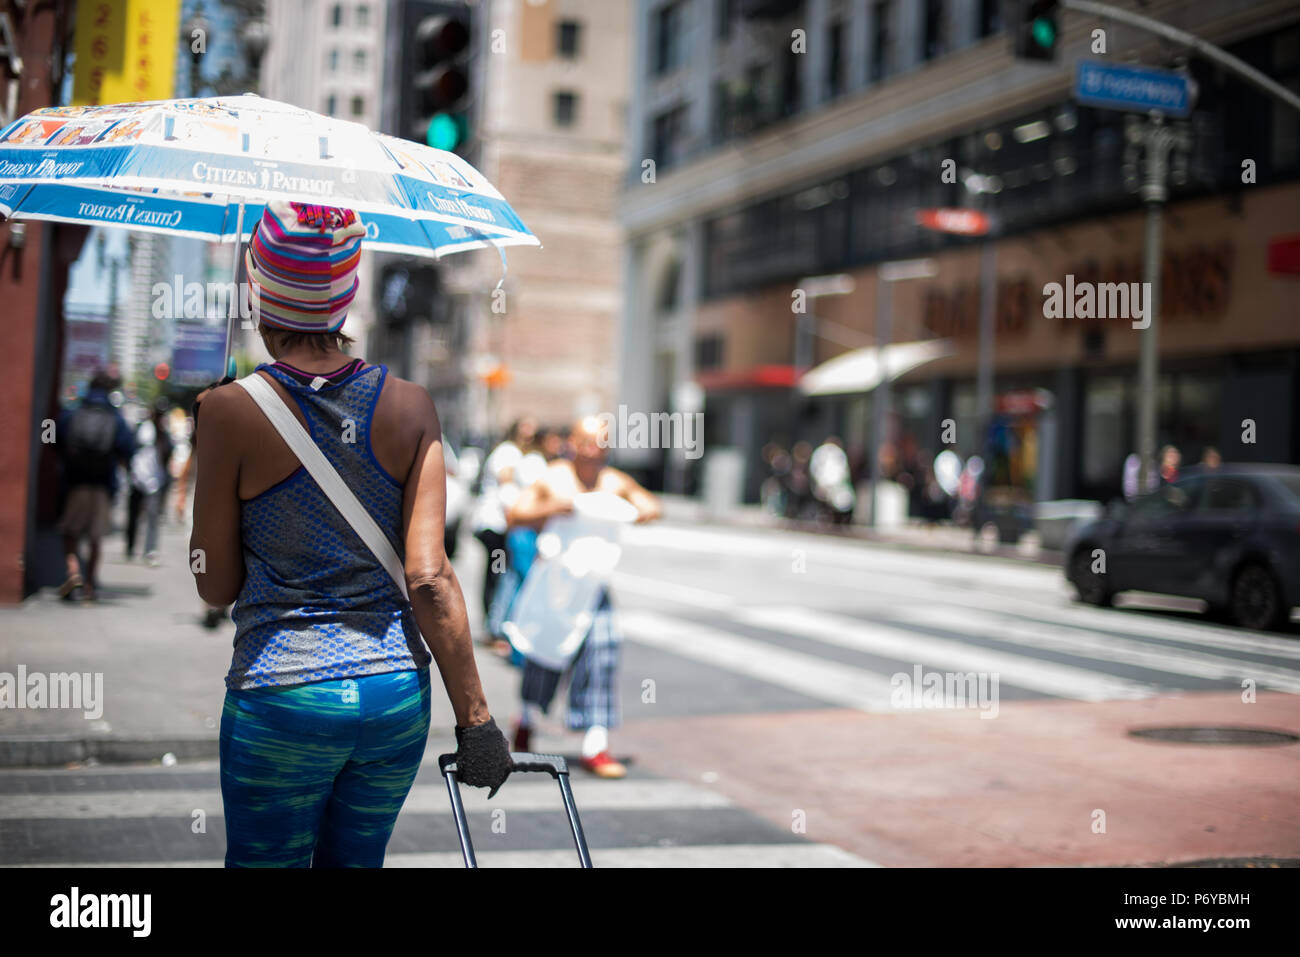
x=302 y=266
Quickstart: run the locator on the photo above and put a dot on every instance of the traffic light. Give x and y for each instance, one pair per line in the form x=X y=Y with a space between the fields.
x=1037 y=30
x=440 y=77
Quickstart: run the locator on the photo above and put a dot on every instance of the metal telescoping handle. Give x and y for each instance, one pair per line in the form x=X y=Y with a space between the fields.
x=558 y=768
x=447 y=764
x=575 y=825
x=552 y=764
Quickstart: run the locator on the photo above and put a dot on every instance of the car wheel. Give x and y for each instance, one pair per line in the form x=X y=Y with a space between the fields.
x=1093 y=588
x=1257 y=599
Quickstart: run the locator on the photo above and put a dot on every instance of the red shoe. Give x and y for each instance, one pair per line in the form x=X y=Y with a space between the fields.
x=523 y=737
x=604 y=766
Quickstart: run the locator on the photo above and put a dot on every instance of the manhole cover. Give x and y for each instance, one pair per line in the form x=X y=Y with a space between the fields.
x=1246 y=736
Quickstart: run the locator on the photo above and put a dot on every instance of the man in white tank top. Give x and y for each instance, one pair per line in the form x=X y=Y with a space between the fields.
x=593 y=673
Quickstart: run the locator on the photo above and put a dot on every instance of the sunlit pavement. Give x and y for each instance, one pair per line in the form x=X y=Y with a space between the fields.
x=761 y=723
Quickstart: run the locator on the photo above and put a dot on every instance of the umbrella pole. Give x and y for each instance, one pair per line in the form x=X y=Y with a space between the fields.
x=236 y=299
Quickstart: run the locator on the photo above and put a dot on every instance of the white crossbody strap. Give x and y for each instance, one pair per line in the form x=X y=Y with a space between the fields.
x=326 y=476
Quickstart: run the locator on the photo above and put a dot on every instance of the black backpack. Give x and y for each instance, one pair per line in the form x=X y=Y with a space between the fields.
x=89 y=441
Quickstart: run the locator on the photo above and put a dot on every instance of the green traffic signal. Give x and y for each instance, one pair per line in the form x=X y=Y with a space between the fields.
x=446 y=131
x=1043 y=32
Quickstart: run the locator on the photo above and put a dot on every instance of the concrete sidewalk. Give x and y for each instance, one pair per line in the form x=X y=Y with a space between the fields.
x=163 y=672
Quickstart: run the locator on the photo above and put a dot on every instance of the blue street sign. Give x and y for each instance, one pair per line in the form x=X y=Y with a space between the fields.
x=1139 y=88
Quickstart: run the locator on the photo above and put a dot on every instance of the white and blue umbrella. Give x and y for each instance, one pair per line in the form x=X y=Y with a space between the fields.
x=204 y=168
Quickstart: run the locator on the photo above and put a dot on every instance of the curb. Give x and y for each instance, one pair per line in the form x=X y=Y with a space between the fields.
x=34 y=751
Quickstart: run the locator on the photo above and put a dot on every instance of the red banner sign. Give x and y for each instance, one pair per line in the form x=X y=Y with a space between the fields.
x=963 y=222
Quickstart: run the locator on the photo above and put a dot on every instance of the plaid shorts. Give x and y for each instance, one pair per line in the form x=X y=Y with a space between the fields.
x=593 y=675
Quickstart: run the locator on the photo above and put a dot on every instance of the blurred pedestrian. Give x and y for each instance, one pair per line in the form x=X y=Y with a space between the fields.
x=520 y=543
x=497 y=492
x=150 y=479
x=593 y=705
x=92 y=439
x=772 y=491
x=1170 y=460
x=327 y=707
x=832 y=487
x=1211 y=459
x=1132 y=469
x=799 y=498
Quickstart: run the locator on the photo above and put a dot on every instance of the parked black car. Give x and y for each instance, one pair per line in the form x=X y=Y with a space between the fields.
x=1229 y=536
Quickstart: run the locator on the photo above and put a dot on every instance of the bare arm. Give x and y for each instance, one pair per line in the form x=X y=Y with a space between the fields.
x=535 y=505
x=216 y=550
x=435 y=593
x=647 y=505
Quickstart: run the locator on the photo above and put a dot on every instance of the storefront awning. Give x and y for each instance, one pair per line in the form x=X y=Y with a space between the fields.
x=863 y=369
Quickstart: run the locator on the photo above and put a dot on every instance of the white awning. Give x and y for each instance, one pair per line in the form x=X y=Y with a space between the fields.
x=863 y=369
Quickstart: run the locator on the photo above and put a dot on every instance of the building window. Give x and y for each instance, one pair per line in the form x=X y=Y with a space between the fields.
x=358 y=105
x=791 y=82
x=359 y=61
x=881 y=15
x=568 y=35
x=565 y=108
x=725 y=12
x=990 y=17
x=668 y=137
x=363 y=16
x=336 y=15
x=670 y=289
x=835 y=60
x=332 y=61
x=708 y=352
x=932 y=35
x=669 y=36
x=332 y=105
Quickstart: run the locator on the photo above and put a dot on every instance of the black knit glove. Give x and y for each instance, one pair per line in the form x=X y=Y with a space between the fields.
x=482 y=756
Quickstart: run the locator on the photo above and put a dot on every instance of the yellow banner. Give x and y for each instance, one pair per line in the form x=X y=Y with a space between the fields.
x=126 y=51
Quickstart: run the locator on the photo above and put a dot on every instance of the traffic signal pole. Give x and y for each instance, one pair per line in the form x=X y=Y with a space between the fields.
x=1158 y=140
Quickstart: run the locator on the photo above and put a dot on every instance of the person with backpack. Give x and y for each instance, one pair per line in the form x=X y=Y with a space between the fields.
x=150 y=478
x=91 y=440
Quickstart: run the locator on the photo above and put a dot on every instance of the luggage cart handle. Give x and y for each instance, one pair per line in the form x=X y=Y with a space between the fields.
x=552 y=764
x=525 y=761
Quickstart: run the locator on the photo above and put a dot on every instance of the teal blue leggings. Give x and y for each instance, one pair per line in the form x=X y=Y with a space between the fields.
x=314 y=775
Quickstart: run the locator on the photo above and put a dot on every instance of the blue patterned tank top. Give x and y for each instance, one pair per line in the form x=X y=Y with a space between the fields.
x=316 y=605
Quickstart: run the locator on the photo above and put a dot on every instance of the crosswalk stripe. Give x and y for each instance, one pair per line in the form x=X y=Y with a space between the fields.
x=1191 y=632
x=1022 y=671
x=541 y=795
x=1099 y=647
x=816 y=677
x=993 y=585
x=685 y=594
x=700 y=855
